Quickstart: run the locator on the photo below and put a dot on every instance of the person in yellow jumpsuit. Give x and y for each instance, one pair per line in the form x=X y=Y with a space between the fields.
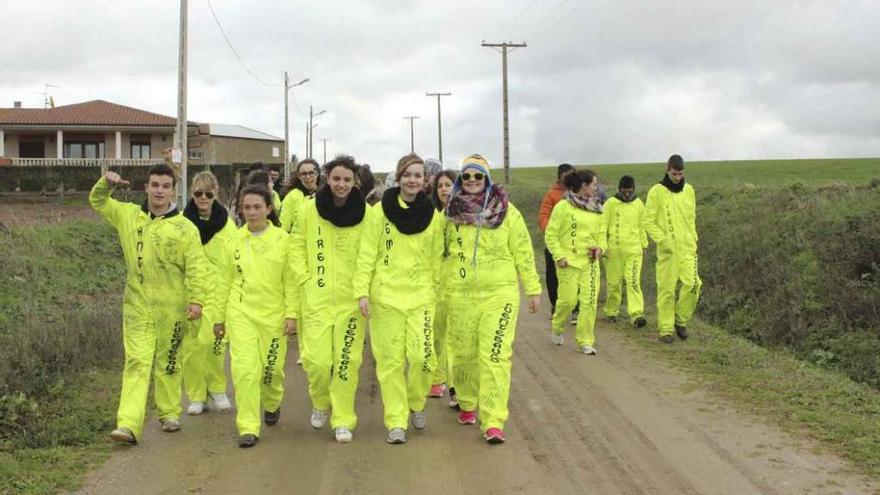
x=304 y=183
x=256 y=304
x=166 y=285
x=396 y=283
x=442 y=379
x=491 y=252
x=670 y=220
x=203 y=355
x=627 y=241
x=325 y=243
x=576 y=238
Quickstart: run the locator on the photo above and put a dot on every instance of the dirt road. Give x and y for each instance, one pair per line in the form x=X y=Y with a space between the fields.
x=616 y=423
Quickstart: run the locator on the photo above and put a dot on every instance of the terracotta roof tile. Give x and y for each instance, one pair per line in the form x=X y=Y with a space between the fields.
x=95 y=112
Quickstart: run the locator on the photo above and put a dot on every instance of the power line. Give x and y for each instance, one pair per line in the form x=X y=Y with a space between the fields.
x=234 y=51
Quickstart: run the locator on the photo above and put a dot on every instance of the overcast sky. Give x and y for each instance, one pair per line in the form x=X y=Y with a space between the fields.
x=600 y=81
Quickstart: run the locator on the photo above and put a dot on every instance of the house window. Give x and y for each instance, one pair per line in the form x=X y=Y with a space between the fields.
x=196 y=155
x=140 y=150
x=83 y=149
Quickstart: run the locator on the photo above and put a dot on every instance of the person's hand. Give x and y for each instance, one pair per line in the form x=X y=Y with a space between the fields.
x=595 y=253
x=364 y=304
x=115 y=179
x=562 y=263
x=534 y=303
x=193 y=312
x=219 y=330
x=289 y=326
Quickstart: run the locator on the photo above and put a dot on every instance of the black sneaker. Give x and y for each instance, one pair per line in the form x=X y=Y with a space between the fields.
x=612 y=319
x=667 y=339
x=271 y=418
x=247 y=441
x=640 y=322
x=681 y=331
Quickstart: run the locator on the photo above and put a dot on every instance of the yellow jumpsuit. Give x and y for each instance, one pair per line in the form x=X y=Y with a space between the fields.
x=203 y=355
x=290 y=209
x=484 y=296
x=570 y=233
x=256 y=298
x=166 y=270
x=627 y=241
x=670 y=220
x=329 y=320
x=400 y=275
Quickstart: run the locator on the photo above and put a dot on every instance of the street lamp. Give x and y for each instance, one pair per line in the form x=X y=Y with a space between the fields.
x=288 y=86
x=312 y=115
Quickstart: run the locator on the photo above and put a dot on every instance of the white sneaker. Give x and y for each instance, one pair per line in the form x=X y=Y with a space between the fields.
x=590 y=351
x=396 y=435
x=221 y=402
x=344 y=435
x=319 y=418
x=195 y=408
x=556 y=338
x=419 y=419
x=170 y=425
x=299 y=361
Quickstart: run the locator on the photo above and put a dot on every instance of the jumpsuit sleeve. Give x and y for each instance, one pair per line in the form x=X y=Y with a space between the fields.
x=693 y=212
x=649 y=220
x=290 y=283
x=607 y=214
x=437 y=251
x=367 y=253
x=602 y=234
x=643 y=234
x=224 y=281
x=520 y=244
x=551 y=234
x=99 y=197
x=545 y=212
x=196 y=270
x=289 y=210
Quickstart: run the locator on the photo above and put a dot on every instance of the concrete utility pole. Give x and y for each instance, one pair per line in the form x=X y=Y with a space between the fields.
x=288 y=86
x=182 y=129
x=325 y=148
x=312 y=115
x=439 y=123
x=504 y=48
x=412 y=134
x=308 y=150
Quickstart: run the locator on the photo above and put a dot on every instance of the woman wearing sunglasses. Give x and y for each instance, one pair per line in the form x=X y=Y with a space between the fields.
x=258 y=316
x=303 y=185
x=396 y=283
x=202 y=354
x=576 y=238
x=441 y=187
x=490 y=252
x=325 y=244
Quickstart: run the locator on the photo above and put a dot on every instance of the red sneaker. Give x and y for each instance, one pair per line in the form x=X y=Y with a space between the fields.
x=467 y=418
x=436 y=390
x=494 y=435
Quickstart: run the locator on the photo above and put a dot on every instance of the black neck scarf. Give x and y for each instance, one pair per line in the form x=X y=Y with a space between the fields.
x=411 y=220
x=347 y=215
x=673 y=187
x=207 y=228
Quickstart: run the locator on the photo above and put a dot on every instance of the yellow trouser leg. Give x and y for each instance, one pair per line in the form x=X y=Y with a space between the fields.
x=441 y=372
x=496 y=334
x=632 y=275
x=667 y=279
x=317 y=357
x=193 y=361
x=214 y=351
x=588 y=282
x=614 y=276
x=462 y=343
x=689 y=293
x=348 y=354
x=273 y=355
x=420 y=355
x=168 y=376
x=567 y=297
x=245 y=355
x=139 y=340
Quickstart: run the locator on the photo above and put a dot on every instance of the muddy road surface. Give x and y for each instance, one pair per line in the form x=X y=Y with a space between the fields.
x=616 y=423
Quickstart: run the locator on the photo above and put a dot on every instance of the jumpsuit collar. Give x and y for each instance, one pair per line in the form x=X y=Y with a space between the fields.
x=673 y=187
x=172 y=211
x=347 y=215
x=626 y=199
x=409 y=218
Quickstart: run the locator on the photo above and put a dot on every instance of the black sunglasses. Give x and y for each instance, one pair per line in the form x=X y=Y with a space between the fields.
x=476 y=176
x=207 y=194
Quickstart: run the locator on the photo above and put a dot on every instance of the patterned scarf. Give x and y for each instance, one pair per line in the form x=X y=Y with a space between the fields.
x=486 y=209
x=591 y=204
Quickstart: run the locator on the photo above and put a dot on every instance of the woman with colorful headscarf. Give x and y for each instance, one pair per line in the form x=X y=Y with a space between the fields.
x=491 y=252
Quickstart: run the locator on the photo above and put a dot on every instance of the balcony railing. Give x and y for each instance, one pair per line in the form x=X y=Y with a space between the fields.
x=103 y=163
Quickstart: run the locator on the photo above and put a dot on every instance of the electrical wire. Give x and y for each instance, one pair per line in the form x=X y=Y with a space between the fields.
x=234 y=51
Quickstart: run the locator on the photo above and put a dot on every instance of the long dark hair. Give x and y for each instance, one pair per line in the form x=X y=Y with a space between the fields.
x=295 y=183
x=264 y=192
x=449 y=174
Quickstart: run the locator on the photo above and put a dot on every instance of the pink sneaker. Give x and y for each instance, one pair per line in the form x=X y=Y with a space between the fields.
x=436 y=390
x=494 y=435
x=467 y=418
